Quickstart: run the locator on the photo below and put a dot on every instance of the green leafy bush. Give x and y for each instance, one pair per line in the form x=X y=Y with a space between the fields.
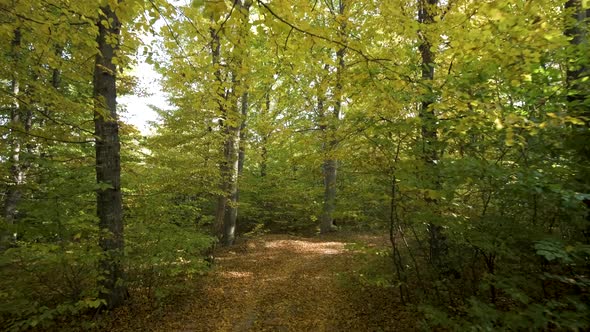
x=162 y=256
x=44 y=283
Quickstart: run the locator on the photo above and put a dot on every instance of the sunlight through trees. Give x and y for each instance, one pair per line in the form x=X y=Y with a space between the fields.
x=456 y=129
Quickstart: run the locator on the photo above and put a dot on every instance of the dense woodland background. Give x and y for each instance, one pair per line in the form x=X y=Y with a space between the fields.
x=460 y=128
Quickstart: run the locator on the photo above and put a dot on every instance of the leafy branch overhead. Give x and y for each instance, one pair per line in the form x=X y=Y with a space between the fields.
x=354 y=164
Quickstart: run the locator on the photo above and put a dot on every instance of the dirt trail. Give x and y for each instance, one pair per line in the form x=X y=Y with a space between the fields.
x=286 y=283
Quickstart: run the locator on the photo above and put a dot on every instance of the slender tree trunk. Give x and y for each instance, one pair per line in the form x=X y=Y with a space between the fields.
x=327 y=222
x=578 y=30
x=330 y=166
x=578 y=89
x=429 y=130
x=17 y=177
x=227 y=204
x=56 y=72
x=242 y=153
x=13 y=194
x=215 y=46
x=235 y=157
x=108 y=168
x=265 y=137
x=232 y=151
x=264 y=156
x=241 y=160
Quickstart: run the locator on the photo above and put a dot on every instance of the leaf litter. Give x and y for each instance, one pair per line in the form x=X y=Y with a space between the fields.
x=281 y=283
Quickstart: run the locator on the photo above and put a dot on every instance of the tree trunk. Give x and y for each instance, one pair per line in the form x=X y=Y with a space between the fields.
x=327 y=222
x=242 y=153
x=14 y=190
x=577 y=97
x=265 y=137
x=429 y=131
x=578 y=32
x=234 y=157
x=108 y=168
x=330 y=166
x=232 y=123
x=56 y=72
x=232 y=147
x=215 y=46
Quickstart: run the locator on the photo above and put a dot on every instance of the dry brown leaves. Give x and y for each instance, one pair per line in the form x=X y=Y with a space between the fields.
x=285 y=283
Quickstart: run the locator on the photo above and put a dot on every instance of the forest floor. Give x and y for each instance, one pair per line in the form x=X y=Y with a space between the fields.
x=284 y=283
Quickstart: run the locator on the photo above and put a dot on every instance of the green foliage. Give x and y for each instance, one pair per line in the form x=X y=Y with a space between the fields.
x=278 y=204
x=375 y=271
x=45 y=283
x=477 y=315
x=489 y=155
x=49 y=254
x=163 y=258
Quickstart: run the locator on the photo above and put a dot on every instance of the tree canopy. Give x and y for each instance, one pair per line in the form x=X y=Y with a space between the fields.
x=457 y=128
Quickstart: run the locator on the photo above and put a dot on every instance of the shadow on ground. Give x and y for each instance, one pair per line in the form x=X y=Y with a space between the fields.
x=287 y=283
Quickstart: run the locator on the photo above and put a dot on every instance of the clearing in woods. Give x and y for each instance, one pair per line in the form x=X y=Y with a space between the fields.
x=285 y=283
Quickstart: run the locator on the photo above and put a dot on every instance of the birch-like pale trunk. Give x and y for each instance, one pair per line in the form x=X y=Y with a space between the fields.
x=13 y=193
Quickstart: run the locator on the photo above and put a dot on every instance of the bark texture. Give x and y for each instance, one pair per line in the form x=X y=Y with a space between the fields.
x=215 y=46
x=265 y=137
x=578 y=30
x=578 y=90
x=428 y=119
x=231 y=124
x=108 y=164
x=330 y=166
x=19 y=125
x=13 y=192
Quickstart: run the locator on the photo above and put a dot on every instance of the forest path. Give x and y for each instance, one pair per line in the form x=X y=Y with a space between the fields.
x=288 y=283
